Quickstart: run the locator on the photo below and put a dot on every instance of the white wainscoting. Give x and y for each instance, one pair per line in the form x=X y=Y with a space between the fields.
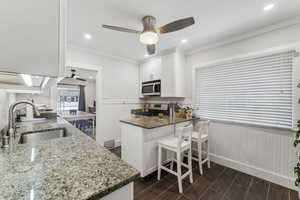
x=111 y=112
x=263 y=152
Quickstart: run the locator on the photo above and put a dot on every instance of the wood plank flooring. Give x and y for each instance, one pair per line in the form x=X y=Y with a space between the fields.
x=217 y=183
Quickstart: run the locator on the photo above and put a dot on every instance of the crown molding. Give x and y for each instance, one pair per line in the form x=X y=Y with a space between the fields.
x=99 y=53
x=257 y=32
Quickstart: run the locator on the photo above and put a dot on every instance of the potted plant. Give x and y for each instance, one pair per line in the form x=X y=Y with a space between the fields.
x=188 y=110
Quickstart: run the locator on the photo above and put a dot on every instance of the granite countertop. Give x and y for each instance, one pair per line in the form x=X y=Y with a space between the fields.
x=74 y=167
x=154 y=122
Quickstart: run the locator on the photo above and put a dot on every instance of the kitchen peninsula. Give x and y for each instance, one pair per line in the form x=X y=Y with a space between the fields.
x=139 y=138
x=70 y=167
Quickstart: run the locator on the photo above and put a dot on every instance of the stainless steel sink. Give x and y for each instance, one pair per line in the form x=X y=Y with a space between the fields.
x=37 y=137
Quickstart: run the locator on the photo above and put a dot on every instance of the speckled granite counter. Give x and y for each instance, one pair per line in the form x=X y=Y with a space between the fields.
x=74 y=167
x=154 y=122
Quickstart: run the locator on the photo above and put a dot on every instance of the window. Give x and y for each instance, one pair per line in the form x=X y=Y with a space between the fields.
x=68 y=99
x=253 y=90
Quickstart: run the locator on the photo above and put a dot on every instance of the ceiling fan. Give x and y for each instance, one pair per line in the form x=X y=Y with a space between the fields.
x=150 y=34
x=75 y=76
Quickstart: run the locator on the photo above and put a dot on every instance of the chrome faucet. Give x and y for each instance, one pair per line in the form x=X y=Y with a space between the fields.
x=11 y=120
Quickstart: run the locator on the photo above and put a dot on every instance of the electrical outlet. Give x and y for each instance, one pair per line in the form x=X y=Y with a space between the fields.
x=109 y=144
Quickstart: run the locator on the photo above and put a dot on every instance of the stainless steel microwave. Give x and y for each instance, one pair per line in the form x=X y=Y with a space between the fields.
x=151 y=88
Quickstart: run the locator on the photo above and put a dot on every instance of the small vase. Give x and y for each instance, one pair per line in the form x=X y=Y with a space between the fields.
x=188 y=116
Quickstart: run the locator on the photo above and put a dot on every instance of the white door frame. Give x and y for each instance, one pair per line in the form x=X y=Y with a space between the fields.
x=99 y=93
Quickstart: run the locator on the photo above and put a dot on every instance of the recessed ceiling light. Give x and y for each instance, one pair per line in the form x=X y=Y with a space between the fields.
x=90 y=77
x=146 y=55
x=269 y=7
x=184 y=41
x=87 y=36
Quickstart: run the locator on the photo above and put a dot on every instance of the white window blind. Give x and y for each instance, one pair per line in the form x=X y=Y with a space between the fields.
x=253 y=91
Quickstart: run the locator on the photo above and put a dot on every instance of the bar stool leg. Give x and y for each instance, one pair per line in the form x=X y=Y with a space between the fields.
x=200 y=157
x=178 y=154
x=190 y=164
x=159 y=163
x=172 y=162
x=208 y=154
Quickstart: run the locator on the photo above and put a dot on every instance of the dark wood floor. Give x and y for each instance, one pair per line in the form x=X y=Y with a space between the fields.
x=217 y=183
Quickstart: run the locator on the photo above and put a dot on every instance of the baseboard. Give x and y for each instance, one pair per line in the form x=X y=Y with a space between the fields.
x=255 y=171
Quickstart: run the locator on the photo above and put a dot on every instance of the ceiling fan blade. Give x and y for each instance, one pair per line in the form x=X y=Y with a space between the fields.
x=80 y=79
x=117 y=28
x=151 y=49
x=176 y=25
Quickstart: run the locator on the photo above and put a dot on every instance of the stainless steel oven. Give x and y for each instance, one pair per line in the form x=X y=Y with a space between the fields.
x=151 y=88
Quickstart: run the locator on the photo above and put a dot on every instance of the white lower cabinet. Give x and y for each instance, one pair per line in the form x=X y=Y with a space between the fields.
x=124 y=193
x=151 y=137
x=140 y=146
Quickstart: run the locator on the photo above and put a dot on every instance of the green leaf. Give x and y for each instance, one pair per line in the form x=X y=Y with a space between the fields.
x=296 y=183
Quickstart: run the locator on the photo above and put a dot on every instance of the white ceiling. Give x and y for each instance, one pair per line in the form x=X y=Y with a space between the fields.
x=216 y=20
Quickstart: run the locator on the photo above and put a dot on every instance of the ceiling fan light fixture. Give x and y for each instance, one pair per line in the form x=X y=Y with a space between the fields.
x=149 y=37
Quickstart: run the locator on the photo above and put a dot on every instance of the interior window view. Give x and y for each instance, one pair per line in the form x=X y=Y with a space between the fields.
x=68 y=99
x=140 y=100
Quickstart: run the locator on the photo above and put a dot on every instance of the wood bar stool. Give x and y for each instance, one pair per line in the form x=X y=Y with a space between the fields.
x=177 y=144
x=200 y=137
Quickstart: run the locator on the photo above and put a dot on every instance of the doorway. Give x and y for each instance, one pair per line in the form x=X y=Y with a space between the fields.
x=76 y=99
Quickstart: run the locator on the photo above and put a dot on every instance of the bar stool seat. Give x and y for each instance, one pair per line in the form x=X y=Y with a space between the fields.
x=171 y=143
x=195 y=136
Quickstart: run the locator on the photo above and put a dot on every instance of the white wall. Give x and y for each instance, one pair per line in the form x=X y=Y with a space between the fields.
x=117 y=87
x=6 y=99
x=264 y=152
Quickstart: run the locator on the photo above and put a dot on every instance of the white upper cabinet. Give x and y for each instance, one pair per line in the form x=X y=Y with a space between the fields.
x=172 y=83
x=151 y=70
x=169 y=68
x=33 y=36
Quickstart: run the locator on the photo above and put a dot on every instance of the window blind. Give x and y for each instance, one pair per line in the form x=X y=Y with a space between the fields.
x=253 y=90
